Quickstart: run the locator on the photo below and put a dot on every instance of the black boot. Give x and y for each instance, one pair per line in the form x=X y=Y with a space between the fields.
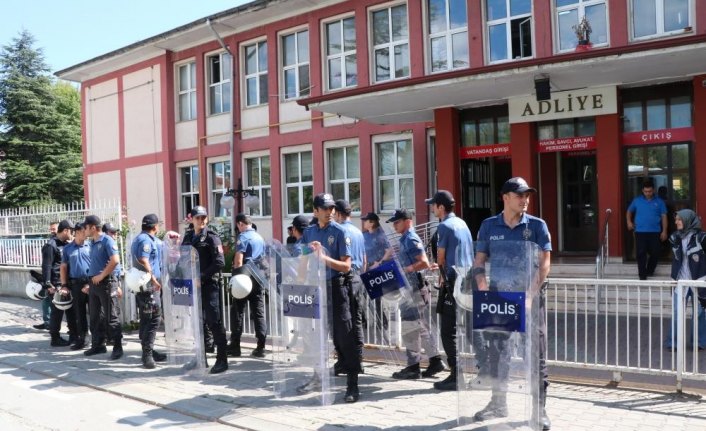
x=436 y=365
x=72 y=338
x=221 y=361
x=313 y=385
x=147 y=360
x=57 y=341
x=117 y=350
x=259 y=351
x=158 y=356
x=410 y=372
x=338 y=368
x=80 y=343
x=496 y=408
x=233 y=348
x=96 y=350
x=450 y=383
x=352 y=393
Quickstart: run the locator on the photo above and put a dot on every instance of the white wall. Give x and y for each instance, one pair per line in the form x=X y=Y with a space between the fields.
x=145 y=191
x=254 y=122
x=217 y=126
x=104 y=186
x=185 y=134
x=102 y=140
x=294 y=117
x=142 y=112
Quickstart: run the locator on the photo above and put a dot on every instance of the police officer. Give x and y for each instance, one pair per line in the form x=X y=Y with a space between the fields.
x=329 y=235
x=103 y=283
x=413 y=259
x=249 y=249
x=117 y=294
x=75 y=259
x=46 y=302
x=211 y=261
x=51 y=263
x=146 y=256
x=299 y=224
x=359 y=262
x=454 y=242
x=514 y=224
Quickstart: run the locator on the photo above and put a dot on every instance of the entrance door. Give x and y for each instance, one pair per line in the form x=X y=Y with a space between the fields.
x=580 y=203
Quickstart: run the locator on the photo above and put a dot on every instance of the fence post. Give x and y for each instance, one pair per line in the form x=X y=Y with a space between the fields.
x=680 y=342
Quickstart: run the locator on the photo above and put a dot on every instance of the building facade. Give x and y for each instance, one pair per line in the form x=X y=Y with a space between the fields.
x=382 y=102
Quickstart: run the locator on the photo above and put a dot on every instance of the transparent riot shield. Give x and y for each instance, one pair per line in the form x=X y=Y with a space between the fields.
x=183 y=325
x=497 y=336
x=404 y=313
x=299 y=305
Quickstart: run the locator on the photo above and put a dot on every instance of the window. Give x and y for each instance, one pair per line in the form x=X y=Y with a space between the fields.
x=341 y=54
x=344 y=175
x=257 y=171
x=256 y=74
x=219 y=73
x=189 y=188
x=220 y=183
x=569 y=14
x=395 y=175
x=187 y=92
x=509 y=29
x=660 y=17
x=657 y=113
x=390 y=43
x=485 y=131
x=295 y=62
x=566 y=128
x=299 y=183
x=448 y=34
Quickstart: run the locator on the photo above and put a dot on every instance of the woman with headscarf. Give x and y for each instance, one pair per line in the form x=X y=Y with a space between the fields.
x=689 y=263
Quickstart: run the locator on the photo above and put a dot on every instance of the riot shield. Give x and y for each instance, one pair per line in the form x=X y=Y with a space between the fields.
x=299 y=305
x=405 y=311
x=497 y=335
x=183 y=325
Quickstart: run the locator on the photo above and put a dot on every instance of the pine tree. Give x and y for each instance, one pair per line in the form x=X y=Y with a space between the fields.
x=40 y=130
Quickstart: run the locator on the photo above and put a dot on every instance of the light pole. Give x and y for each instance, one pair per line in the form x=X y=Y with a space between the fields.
x=228 y=199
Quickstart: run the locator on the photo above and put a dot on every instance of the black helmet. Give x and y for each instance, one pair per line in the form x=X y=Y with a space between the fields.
x=198 y=211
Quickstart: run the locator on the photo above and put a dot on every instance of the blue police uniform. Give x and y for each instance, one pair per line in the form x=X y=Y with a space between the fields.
x=416 y=309
x=375 y=245
x=648 y=226
x=343 y=302
x=252 y=246
x=455 y=239
x=99 y=295
x=146 y=246
x=77 y=258
x=492 y=238
x=51 y=262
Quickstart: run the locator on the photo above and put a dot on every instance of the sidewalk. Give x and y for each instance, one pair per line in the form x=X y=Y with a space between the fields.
x=242 y=397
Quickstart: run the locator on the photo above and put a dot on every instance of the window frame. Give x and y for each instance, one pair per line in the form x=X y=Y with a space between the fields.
x=225 y=82
x=341 y=56
x=391 y=45
x=257 y=75
x=659 y=7
x=261 y=187
x=346 y=181
x=507 y=21
x=581 y=6
x=448 y=34
x=183 y=193
x=215 y=194
x=377 y=178
x=299 y=184
x=296 y=65
x=190 y=91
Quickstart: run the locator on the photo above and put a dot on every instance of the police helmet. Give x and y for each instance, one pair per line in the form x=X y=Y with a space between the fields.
x=135 y=279
x=240 y=286
x=34 y=291
x=62 y=301
x=198 y=211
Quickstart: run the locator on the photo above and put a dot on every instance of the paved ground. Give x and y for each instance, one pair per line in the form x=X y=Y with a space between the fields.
x=242 y=397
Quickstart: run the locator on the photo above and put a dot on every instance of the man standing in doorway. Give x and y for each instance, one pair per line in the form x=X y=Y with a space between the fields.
x=647 y=217
x=455 y=247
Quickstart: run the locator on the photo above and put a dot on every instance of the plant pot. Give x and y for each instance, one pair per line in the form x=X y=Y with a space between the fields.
x=584 y=45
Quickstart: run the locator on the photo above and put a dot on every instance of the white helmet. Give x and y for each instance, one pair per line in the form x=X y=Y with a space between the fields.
x=62 y=302
x=240 y=286
x=34 y=291
x=135 y=279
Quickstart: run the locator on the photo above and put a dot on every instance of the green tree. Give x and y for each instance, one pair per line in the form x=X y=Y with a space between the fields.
x=40 y=130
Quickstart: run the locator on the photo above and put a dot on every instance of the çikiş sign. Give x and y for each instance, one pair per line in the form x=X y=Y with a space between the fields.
x=564 y=104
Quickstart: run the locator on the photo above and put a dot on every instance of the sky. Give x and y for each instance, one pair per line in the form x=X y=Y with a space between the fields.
x=73 y=31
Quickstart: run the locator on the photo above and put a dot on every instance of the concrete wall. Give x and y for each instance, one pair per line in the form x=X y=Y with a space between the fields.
x=13 y=280
x=142 y=112
x=102 y=122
